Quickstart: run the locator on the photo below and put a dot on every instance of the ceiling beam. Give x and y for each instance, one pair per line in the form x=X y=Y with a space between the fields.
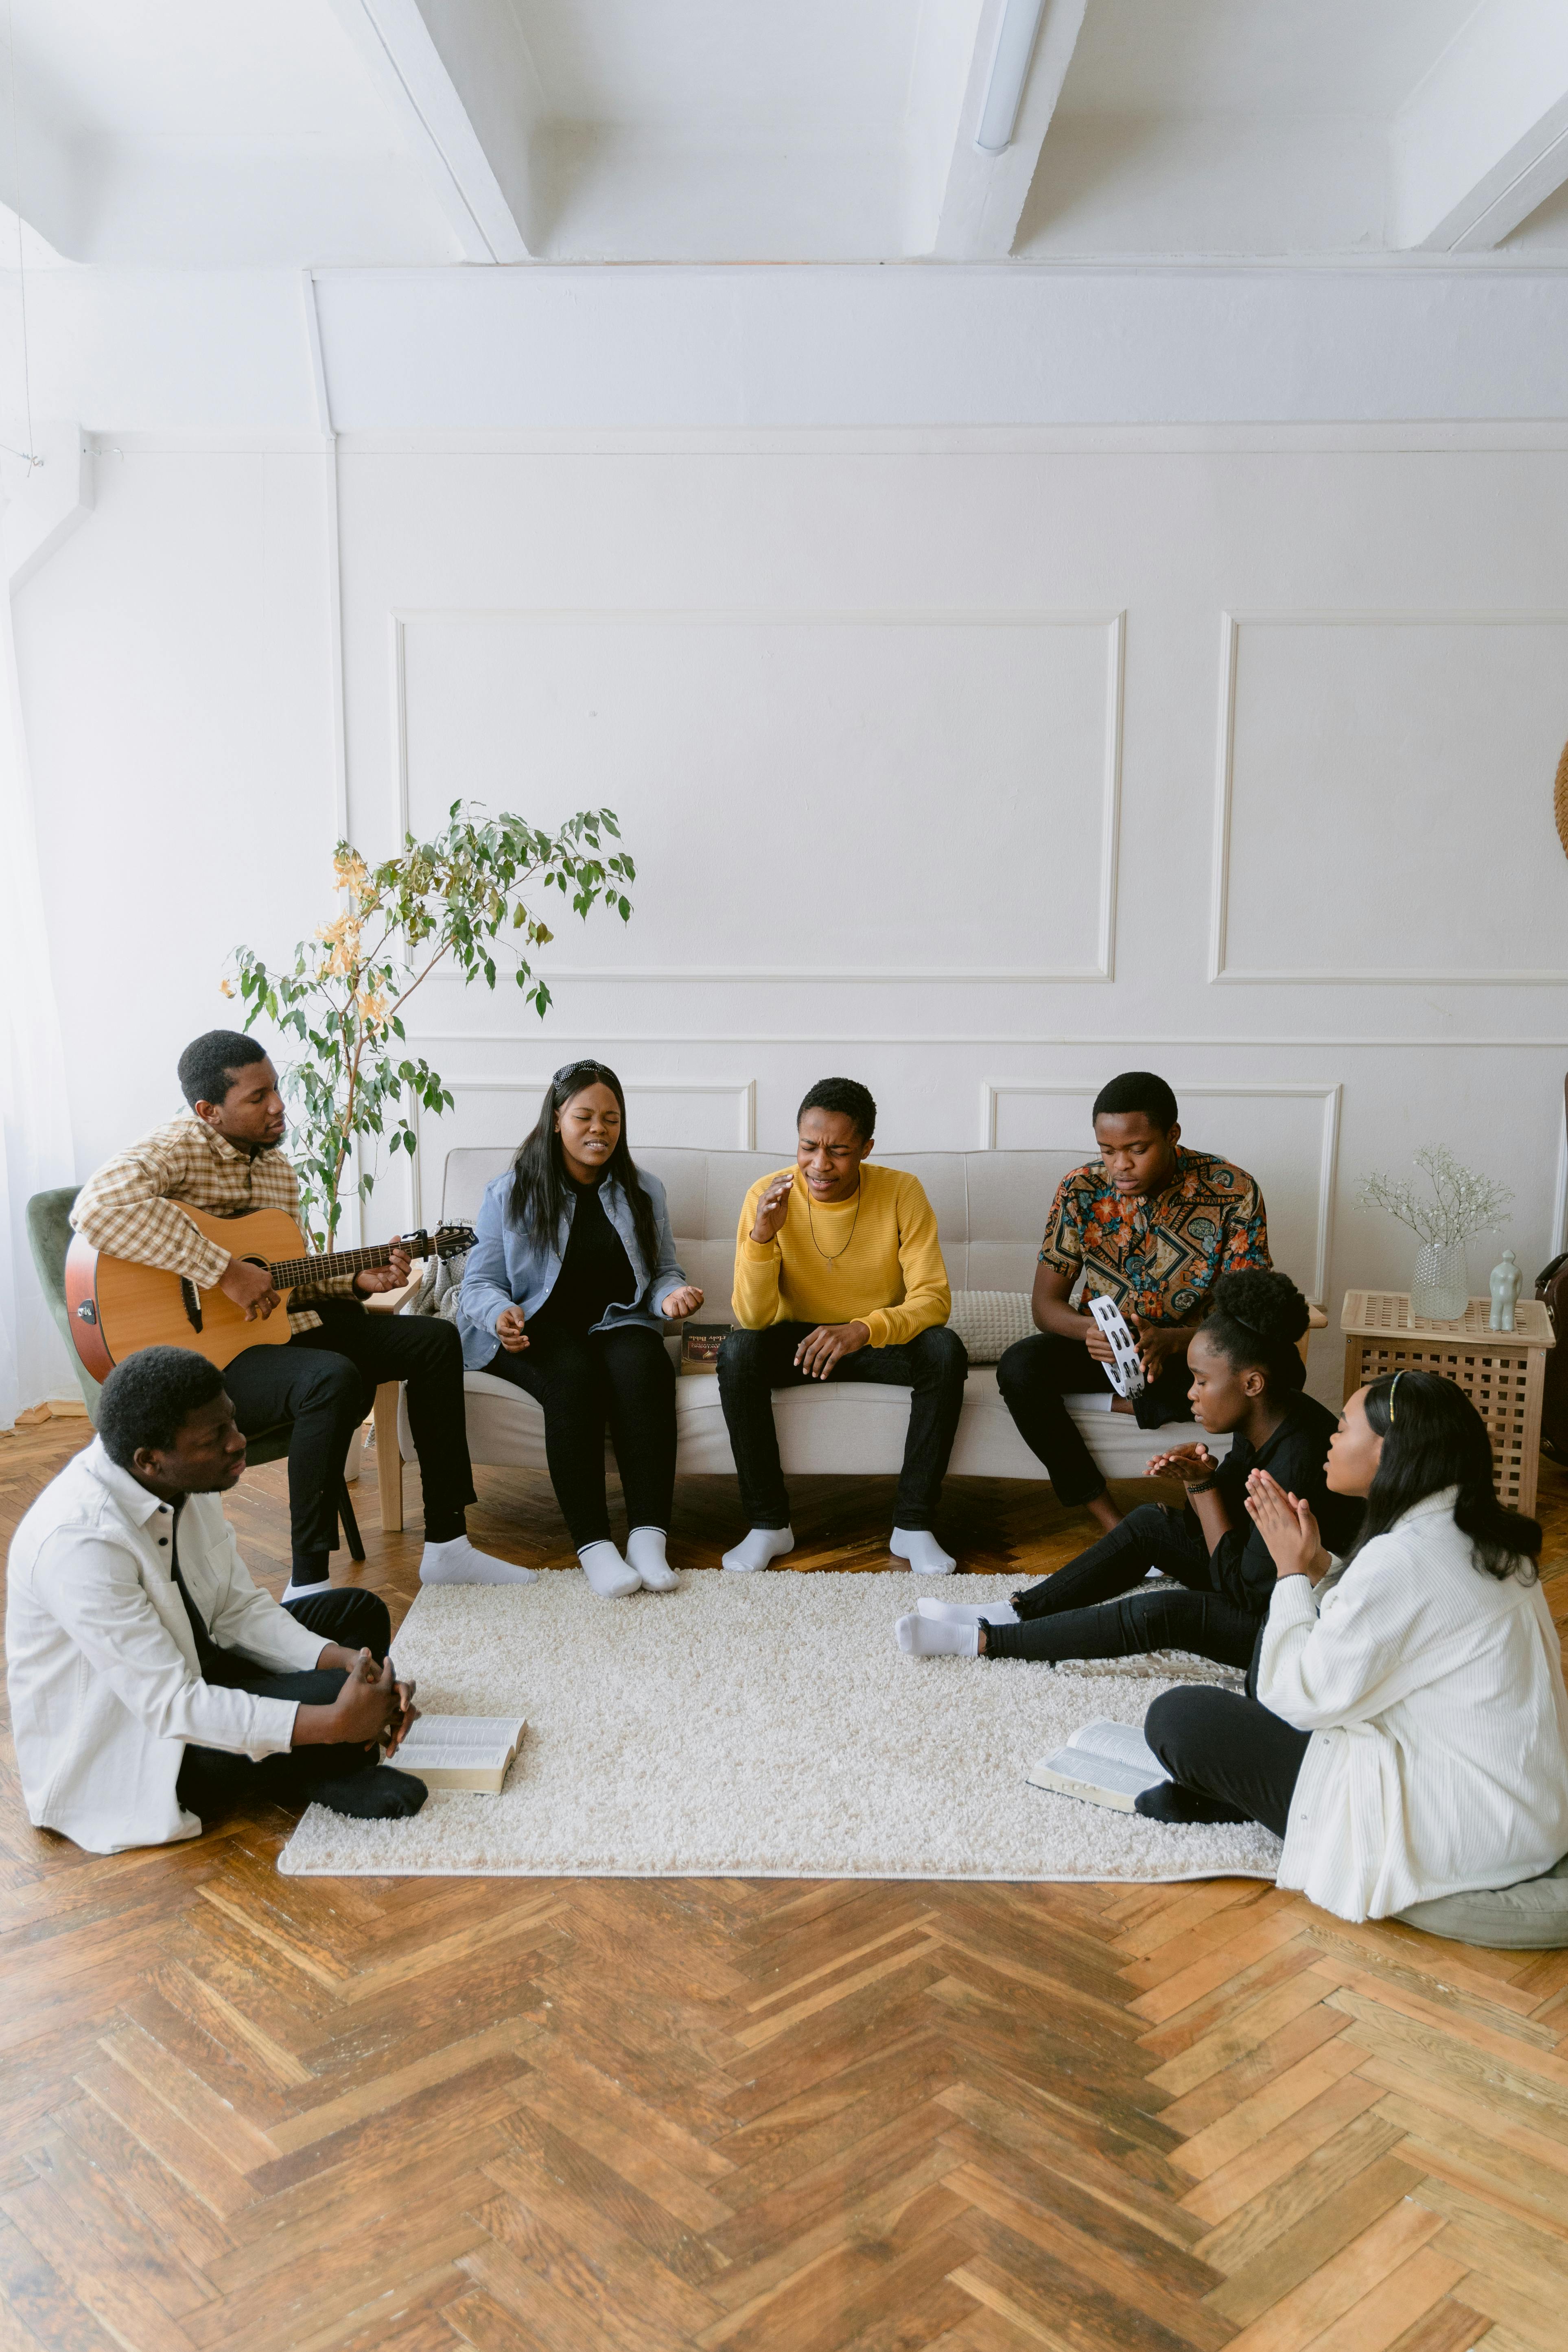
x=981 y=196
x=1483 y=137
x=459 y=80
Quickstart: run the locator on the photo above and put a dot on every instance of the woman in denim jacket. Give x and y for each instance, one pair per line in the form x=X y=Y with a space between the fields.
x=569 y=1290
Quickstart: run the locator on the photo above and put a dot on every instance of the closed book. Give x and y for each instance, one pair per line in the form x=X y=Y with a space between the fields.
x=700 y=1346
x=462 y=1751
x=1103 y=1764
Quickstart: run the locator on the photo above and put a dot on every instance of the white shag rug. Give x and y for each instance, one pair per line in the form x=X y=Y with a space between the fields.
x=761 y=1726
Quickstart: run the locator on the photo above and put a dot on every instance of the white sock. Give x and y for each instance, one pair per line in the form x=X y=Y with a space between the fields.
x=293 y=1591
x=968 y=1612
x=929 y=1637
x=458 y=1563
x=608 y=1572
x=762 y=1545
x=921 y=1549
x=645 y=1552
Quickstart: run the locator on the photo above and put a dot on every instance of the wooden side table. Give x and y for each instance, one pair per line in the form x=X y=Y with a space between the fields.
x=1503 y=1373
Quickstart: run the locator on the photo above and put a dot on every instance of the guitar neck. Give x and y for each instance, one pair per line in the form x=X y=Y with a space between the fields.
x=292 y=1273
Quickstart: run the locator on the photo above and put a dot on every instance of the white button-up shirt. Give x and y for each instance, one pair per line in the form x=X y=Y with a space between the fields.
x=102 y=1661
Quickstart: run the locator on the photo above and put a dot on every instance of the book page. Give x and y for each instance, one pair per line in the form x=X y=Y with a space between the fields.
x=1121 y=1743
x=1105 y=1772
x=468 y=1740
x=489 y=1760
x=467 y=1730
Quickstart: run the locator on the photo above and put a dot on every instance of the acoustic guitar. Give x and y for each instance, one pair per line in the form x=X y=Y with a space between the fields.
x=116 y=1306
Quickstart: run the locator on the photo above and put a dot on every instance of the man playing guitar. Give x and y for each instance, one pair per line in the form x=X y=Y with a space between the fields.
x=224 y=1158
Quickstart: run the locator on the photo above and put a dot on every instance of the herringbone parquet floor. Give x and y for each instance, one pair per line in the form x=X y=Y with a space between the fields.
x=247 y=2112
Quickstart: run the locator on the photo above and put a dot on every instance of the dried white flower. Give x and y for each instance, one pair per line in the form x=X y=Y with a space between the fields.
x=1460 y=1203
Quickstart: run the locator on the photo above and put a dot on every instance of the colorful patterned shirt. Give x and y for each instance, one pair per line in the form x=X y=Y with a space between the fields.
x=1158 y=1255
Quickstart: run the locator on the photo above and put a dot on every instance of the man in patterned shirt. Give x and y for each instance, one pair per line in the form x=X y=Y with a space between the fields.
x=1153 y=1226
x=224 y=1160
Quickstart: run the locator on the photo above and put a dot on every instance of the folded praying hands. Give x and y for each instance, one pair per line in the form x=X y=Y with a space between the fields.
x=1286 y=1527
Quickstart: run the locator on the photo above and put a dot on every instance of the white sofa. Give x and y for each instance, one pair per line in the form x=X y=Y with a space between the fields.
x=991 y=1209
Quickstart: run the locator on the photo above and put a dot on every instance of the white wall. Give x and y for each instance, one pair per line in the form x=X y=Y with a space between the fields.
x=936 y=767
x=176 y=681
x=979 y=762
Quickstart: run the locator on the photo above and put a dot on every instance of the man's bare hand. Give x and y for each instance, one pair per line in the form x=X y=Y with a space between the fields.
x=1100 y=1347
x=407 y=1715
x=391 y=1276
x=509 y=1330
x=249 y=1286
x=367 y=1705
x=828 y=1345
x=1158 y=1345
x=772 y=1208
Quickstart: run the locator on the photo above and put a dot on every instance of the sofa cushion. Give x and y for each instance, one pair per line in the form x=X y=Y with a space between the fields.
x=989 y=1321
x=1531 y=1916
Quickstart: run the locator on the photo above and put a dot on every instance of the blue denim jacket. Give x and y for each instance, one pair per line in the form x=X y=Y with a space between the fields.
x=506 y=1267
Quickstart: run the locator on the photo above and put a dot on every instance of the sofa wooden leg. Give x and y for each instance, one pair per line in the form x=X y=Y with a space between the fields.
x=388 y=1459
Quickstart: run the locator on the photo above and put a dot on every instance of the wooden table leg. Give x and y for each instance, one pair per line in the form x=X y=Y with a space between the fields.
x=388 y=1458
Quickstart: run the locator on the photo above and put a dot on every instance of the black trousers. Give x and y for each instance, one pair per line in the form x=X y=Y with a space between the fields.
x=324 y=1381
x=1037 y=1373
x=751 y=1364
x=1230 y=1758
x=585 y=1382
x=1097 y=1606
x=212 y=1779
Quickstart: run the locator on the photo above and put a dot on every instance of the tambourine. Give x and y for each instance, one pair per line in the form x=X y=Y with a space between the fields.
x=1126 y=1375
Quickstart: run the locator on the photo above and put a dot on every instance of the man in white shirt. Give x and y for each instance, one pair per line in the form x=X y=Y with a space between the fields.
x=150 y=1680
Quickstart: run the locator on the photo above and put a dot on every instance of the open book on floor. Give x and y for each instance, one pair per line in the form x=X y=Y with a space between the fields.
x=1103 y=1763
x=462 y=1751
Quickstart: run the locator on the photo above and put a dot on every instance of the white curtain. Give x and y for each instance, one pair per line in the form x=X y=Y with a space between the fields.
x=36 y=1148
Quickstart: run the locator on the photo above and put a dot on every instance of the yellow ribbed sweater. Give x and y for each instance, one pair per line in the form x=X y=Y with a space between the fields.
x=890 y=1276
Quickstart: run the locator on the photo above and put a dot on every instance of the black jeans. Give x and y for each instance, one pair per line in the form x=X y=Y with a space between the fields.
x=1228 y=1755
x=751 y=1364
x=212 y=1778
x=1037 y=1373
x=586 y=1381
x=1099 y=1607
x=324 y=1381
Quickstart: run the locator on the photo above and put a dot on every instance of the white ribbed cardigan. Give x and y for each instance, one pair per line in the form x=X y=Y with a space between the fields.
x=1434 y=1693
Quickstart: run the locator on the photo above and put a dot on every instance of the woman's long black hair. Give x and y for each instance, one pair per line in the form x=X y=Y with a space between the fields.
x=539 y=1187
x=1256 y=1320
x=1433 y=1437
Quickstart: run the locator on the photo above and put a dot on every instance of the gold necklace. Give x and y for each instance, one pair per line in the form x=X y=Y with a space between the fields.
x=816 y=1245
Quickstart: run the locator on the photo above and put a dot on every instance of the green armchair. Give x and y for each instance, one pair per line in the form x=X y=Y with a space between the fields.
x=49 y=1237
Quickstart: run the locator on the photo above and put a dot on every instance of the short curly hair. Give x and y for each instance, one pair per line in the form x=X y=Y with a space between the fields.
x=148 y=1399
x=846 y=1096
x=1138 y=1090
x=208 y=1066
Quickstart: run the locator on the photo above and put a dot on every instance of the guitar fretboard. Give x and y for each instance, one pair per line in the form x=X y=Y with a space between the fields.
x=289 y=1271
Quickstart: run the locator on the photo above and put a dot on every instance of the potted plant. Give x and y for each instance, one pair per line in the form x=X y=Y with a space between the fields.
x=458 y=900
x=1458 y=1204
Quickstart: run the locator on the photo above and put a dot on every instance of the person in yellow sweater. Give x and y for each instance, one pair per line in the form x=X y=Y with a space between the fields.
x=839 y=1275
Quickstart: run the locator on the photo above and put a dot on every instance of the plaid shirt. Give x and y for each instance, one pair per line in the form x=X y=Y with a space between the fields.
x=125 y=1207
x=1161 y=1254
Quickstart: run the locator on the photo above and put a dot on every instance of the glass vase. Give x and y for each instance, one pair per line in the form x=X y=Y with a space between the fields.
x=1441 y=1286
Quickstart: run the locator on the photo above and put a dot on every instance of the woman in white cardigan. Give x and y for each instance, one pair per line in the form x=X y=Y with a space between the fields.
x=1410 y=1735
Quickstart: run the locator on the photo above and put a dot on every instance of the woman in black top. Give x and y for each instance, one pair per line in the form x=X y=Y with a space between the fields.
x=1246 y=1380
x=570 y=1291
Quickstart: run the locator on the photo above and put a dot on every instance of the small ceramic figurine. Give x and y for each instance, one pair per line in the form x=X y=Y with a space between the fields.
x=1505 y=1286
